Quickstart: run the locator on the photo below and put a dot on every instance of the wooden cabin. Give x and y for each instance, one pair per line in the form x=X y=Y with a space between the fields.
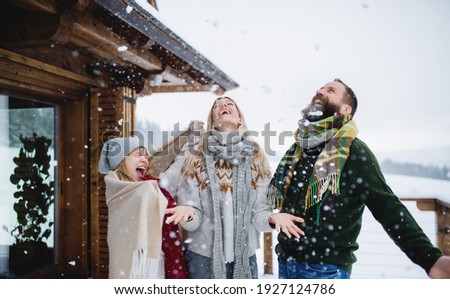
x=70 y=72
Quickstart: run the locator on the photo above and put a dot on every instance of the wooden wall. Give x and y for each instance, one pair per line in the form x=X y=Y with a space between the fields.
x=112 y=115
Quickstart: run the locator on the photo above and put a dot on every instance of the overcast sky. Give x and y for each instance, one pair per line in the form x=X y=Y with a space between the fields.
x=394 y=54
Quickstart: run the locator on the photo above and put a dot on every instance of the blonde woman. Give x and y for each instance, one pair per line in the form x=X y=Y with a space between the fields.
x=225 y=180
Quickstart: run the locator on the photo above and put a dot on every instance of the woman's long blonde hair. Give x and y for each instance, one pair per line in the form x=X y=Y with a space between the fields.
x=259 y=160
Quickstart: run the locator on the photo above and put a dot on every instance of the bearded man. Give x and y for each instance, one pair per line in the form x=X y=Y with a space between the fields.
x=327 y=177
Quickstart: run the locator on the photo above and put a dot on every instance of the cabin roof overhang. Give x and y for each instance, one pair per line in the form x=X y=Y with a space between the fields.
x=113 y=43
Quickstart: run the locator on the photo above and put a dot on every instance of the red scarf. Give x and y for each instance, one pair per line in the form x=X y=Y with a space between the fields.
x=172 y=246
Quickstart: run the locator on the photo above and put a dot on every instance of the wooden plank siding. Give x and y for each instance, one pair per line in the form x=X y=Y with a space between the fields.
x=108 y=108
x=33 y=76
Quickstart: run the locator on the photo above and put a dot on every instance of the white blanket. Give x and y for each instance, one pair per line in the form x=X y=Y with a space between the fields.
x=135 y=216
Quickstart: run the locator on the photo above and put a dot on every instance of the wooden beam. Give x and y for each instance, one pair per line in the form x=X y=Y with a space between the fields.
x=38 y=79
x=21 y=86
x=29 y=74
x=423 y=204
x=153 y=3
x=26 y=74
x=51 y=6
x=175 y=77
x=34 y=28
x=48 y=6
x=8 y=55
x=79 y=5
x=73 y=60
x=85 y=28
x=426 y=205
x=177 y=88
x=106 y=57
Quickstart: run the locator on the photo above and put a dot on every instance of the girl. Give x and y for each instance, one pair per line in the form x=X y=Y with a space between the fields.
x=142 y=244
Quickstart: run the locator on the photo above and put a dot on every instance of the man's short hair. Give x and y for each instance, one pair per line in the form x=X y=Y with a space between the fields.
x=351 y=98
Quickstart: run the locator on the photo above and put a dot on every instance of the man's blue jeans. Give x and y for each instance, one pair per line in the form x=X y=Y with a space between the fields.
x=303 y=270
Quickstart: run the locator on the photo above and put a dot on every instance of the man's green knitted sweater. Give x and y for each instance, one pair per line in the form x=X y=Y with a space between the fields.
x=332 y=226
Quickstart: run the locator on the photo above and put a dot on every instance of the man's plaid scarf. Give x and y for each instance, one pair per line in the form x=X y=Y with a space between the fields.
x=338 y=132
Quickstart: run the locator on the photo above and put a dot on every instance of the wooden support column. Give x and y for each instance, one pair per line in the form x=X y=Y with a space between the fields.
x=442 y=211
x=268 y=253
x=443 y=227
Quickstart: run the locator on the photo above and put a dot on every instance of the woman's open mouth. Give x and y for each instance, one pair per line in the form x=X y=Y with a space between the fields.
x=140 y=170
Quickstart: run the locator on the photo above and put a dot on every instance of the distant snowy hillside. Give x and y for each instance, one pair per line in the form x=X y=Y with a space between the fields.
x=427 y=156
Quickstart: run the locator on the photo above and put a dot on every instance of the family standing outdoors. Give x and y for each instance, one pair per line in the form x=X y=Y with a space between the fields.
x=226 y=195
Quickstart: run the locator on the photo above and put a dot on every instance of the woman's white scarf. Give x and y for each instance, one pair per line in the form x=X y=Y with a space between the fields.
x=135 y=216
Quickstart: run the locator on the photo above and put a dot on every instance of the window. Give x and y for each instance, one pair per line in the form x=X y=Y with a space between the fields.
x=28 y=186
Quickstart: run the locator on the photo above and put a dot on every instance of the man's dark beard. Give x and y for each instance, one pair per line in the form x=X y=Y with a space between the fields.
x=314 y=112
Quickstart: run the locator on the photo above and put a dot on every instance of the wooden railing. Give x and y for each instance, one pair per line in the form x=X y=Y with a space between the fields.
x=441 y=209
